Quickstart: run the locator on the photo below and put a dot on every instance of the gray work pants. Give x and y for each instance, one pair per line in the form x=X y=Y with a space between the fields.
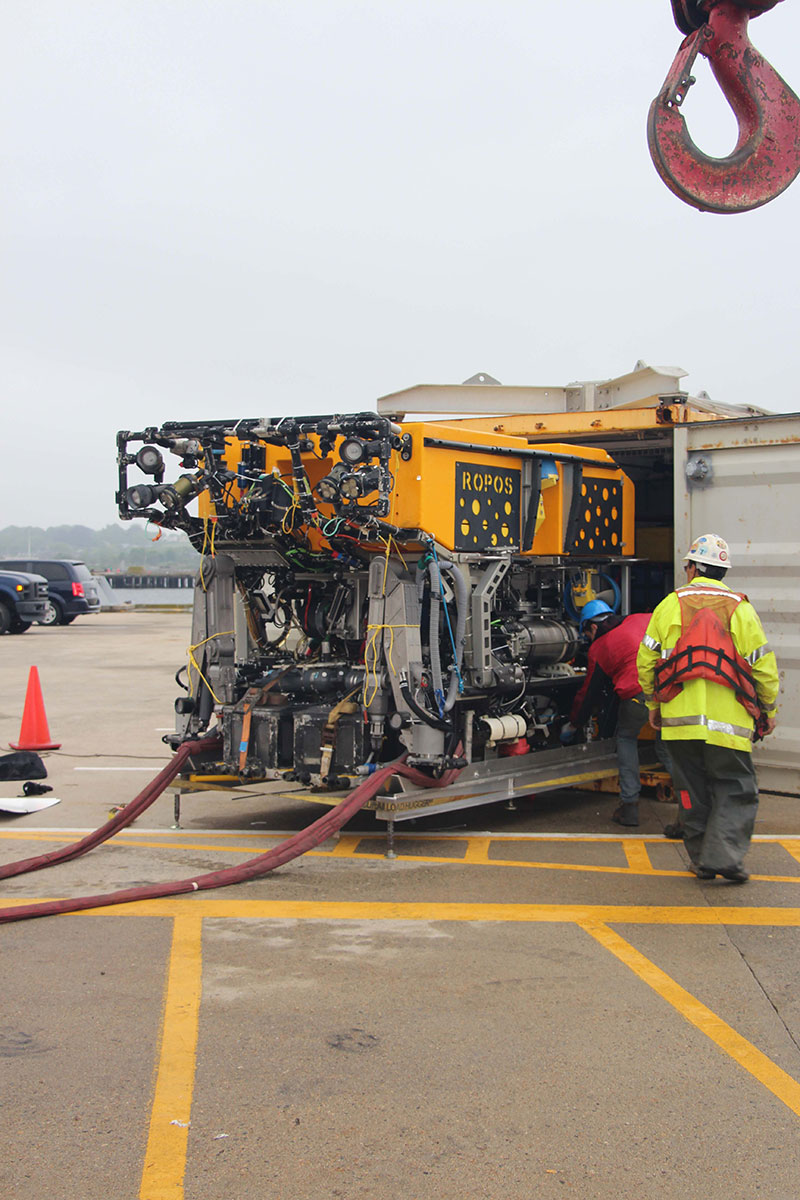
x=717 y=800
x=632 y=716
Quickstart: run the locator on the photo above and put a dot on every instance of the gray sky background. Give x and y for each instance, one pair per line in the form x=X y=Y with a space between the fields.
x=224 y=208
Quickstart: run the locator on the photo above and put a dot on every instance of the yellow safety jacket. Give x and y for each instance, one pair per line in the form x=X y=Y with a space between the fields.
x=704 y=710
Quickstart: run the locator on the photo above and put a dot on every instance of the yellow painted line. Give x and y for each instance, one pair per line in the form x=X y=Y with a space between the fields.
x=476 y=855
x=344 y=848
x=723 y=1035
x=637 y=856
x=215 y=833
x=31 y=836
x=165 y=1157
x=151 y=845
x=638 y=861
x=477 y=851
x=790 y=842
x=127 y=839
x=364 y=910
x=122 y=840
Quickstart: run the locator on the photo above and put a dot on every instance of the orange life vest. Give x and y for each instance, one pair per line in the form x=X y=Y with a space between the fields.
x=705 y=649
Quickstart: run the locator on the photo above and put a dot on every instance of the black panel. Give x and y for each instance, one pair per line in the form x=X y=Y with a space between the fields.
x=487 y=507
x=595 y=525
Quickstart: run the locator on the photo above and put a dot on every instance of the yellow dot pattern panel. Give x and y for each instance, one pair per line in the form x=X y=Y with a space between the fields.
x=597 y=525
x=487 y=507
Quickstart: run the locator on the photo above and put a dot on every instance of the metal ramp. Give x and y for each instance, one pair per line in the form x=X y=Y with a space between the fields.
x=505 y=779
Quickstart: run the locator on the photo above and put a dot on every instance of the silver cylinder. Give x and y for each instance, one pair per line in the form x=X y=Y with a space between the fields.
x=541 y=640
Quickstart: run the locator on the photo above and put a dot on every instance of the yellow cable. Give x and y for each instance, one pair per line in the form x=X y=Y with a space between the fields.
x=371 y=645
x=194 y=663
x=399 y=551
x=290 y=512
x=386 y=564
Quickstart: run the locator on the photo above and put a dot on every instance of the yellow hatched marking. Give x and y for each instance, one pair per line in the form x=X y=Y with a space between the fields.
x=792 y=848
x=556 y=866
x=477 y=851
x=723 y=1035
x=345 y=846
x=637 y=856
x=165 y=1157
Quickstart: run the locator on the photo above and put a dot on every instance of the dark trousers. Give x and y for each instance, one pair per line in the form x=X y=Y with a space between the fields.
x=632 y=716
x=717 y=802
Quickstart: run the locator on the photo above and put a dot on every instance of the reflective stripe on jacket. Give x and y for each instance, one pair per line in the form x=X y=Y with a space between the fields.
x=704 y=710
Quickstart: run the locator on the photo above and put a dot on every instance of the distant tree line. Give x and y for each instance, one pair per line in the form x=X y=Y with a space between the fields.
x=125 y=547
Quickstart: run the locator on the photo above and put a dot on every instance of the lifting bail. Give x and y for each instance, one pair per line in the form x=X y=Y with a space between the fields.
x=766 y=158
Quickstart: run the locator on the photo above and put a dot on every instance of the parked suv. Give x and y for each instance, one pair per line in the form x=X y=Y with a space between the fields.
x=23 y=600
x=72 y=587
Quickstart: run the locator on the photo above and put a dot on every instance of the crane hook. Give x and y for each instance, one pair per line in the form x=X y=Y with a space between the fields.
x=766 y=157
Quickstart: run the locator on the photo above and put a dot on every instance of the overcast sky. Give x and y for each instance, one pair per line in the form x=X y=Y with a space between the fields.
x=228 y=208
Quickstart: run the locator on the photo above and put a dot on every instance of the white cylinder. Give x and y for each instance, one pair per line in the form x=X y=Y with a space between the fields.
x=507 y=728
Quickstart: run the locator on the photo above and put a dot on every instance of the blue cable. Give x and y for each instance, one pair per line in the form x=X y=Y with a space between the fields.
x=449 y=627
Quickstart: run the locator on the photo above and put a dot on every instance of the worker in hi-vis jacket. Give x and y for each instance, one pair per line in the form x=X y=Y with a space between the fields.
x=710 y=682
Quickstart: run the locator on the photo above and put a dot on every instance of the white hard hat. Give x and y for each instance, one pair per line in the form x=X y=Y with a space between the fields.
x=709 y=550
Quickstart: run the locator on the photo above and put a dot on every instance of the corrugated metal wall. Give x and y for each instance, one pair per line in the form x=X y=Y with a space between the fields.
x=744 y=484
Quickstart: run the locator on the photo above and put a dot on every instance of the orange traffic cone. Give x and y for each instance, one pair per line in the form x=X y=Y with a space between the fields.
x=34 y=734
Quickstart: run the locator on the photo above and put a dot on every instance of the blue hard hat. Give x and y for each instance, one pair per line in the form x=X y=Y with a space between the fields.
x=593 y=610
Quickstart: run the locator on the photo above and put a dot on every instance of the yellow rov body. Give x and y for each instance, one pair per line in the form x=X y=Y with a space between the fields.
x=473 y=495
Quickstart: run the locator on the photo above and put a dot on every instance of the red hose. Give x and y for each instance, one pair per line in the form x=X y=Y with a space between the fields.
x=120 y=820
x=293 y=847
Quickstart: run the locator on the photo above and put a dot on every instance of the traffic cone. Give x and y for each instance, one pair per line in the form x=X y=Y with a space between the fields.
x=34 y=734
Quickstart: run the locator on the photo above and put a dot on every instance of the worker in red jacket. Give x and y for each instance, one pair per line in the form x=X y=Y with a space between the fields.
x=615 y=643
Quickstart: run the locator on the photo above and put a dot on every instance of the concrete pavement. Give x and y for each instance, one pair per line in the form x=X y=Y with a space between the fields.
x=522 y=1004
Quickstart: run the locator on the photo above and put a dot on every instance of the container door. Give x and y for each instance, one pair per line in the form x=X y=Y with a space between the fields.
x=741 y=479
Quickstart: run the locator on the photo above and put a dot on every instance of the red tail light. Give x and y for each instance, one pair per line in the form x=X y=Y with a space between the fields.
x=77 y=590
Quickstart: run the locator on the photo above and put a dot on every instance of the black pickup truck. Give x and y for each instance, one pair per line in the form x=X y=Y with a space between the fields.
x=23 y=600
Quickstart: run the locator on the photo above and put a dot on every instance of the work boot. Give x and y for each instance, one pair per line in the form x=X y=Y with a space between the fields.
x=626 y=814
x=674 y=831
x=702 y=872
x=735 y=875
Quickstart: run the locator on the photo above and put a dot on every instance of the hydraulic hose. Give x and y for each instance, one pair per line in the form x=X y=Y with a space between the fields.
x=293 y=847
x=423 y=714
x=435 y=568
x=433 y=629
x=461 y=627
x=121 y=820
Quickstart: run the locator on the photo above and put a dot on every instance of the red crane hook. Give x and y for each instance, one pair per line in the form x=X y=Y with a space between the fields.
x=766 y=157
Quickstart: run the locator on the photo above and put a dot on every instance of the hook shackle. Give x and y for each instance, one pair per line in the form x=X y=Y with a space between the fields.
x=766 y=157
